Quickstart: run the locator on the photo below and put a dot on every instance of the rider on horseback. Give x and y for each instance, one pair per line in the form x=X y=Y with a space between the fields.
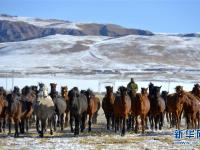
x=132 y=86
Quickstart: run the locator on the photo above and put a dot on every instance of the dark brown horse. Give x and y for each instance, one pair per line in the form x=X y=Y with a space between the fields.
x=107 y=105
x=28 y=98
x=122 y=109
x=64 y=94
x=20 y=109
x=78 y=110
x=141 y=108
x=93 y=106
x=3 y=106
x=157 y=107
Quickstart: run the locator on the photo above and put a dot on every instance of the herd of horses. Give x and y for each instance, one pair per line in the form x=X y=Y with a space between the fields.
x=124 y=109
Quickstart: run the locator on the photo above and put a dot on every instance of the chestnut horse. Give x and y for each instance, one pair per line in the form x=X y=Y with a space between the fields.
x=107 y=106
x=141 y=108
x=157 y=107
x=93 y=106
x=18 y=110
x=122 y=109
x=3 y=106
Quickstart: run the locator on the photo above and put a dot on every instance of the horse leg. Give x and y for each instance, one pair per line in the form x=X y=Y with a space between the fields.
x=83 y=119
x=123 y=126
x=66 y=118
x=62 y=121
x=4 y=124
x=113 y=120
x=27 y=124
x=51 y=120
x=89 y=122
x=21 y=124
x=108 y=120
x=94 y=118
x=43 y=127
x=136 y=124
x=0 y=125
x=129 y=122
x=151 y=121
x=37 y=125
x=9 y=126
x=77 y=121
x=133 y=122
x=116 y=124
x=58 y=120
x=146 y=123
x=143 y=123
x=54 y=122
x=16 y=128
x=71 y=122
x=156 y=117
x=161 y=120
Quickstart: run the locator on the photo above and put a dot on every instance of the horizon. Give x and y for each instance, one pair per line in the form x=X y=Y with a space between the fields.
x=165 y=16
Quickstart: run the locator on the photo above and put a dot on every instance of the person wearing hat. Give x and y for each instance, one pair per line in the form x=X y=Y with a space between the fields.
x=132 y=86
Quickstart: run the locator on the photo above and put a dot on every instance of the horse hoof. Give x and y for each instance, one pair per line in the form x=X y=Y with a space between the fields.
x=41 y=135
x=51 y=132
x=123 y=134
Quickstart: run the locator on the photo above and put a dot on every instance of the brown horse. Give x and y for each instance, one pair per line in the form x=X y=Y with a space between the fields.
x=64 y=94
x=107 y=106
x=191 y=110
x=19 y=109
x=175 y=105
x=28 y=98
x=157 y=107
x=3 y=106
x=141 y=108
x=122 y=109
x=93 y=105
x=196 y=92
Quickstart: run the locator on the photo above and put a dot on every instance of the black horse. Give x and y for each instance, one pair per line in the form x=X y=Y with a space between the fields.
x=157 y=107
x=78 y=110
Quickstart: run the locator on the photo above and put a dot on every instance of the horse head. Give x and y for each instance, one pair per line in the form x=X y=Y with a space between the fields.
x=16 y=90
x=43 y=91
x=53 y=86
x=196 y=90
x=122 y=90
x=2 y=91
x=64 y=91
x=164 y=95
x=157 y=91
x=144 y=91
x=179 y=90
x=151 y=87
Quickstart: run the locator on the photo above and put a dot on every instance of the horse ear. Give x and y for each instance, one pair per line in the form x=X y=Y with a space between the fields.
x=160 y=86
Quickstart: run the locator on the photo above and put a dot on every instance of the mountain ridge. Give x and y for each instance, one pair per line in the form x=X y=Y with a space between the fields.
x=14 y=28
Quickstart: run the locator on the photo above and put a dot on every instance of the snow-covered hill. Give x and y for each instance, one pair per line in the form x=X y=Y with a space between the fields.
x=159 y=57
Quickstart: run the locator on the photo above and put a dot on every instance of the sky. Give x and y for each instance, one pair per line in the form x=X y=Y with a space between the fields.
x=165 y=16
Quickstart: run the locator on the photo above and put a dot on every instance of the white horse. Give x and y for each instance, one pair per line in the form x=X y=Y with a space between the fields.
x=44 y=110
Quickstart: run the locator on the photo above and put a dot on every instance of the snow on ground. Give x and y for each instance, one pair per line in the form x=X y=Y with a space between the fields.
x=158 y=57
x=99 y=138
